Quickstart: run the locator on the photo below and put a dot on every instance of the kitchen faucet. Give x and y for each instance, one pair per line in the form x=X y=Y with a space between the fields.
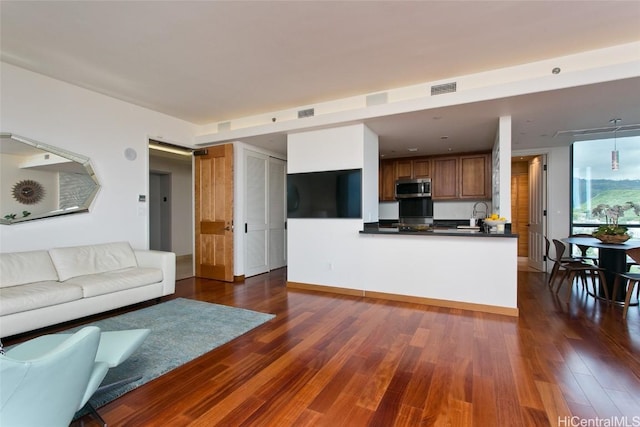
x=476 y=212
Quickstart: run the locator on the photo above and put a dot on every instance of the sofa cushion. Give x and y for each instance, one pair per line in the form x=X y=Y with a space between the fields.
x=18 y=268
x=36 y=295
x=91 y=259
x=112 y=281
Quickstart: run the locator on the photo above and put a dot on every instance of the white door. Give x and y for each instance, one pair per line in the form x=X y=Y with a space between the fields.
x=537 y=209
x=277 y=213
x=256 y=214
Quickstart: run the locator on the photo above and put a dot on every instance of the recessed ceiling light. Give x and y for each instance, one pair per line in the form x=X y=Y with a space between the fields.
x=412 y=149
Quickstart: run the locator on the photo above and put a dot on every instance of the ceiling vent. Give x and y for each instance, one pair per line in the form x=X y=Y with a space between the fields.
x=309 y=112
x=595 y=131
x=443 y=88
x=377 y=99
x=224 y=126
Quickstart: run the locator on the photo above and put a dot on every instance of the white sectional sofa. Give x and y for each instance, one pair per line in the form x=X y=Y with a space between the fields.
x=43 y=288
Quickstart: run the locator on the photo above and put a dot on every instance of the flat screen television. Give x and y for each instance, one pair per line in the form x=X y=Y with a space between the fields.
x=327 y=194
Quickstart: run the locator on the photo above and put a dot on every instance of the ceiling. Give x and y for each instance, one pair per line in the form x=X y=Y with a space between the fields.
x=212 y=61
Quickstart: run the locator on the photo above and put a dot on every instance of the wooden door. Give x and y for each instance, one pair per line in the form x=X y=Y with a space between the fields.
x=537 y=212
x=445 y=178
x=214 y=213
x=520 y=205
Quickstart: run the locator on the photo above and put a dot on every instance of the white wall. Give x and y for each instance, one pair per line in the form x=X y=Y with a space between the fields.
x=318 y=249
x=99 y=127
x=504 y=166
x=332 y=252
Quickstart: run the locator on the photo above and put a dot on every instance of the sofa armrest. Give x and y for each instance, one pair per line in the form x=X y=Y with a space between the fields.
x=166 y=261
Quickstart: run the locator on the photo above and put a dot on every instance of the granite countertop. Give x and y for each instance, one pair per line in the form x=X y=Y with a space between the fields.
x=375 y=228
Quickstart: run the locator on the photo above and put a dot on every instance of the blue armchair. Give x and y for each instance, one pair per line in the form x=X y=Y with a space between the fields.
x=48 y=388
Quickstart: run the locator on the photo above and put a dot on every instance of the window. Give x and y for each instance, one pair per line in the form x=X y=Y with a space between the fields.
x=594 y=183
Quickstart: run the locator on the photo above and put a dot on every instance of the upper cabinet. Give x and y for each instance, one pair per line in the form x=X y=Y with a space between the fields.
x=465 y=176
x=444 y=183
x=387 y=181
x=475 y=176
x=394 y=169
x=421 y=168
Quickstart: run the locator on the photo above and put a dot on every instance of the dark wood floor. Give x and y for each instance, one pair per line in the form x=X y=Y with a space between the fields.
x=328 y=360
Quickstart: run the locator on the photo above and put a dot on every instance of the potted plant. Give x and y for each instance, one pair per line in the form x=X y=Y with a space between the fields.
x=612 y=231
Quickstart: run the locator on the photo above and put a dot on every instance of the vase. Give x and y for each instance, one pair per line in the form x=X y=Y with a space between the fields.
x=612 y=238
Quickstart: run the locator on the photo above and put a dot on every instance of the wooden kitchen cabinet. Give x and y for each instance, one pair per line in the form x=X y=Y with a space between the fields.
x=475 y=176
x=394 y=169
x=387 y=181
x=404 y=169
x=421 y=168
x=462 y=177
x=444 y=184
x=465 y=176
x=413 y=168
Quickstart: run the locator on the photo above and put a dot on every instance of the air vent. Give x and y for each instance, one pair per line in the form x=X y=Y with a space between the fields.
x=377 y=99
x=224 y=126
x=443 y=88
x=595 y=131
x=306 y=113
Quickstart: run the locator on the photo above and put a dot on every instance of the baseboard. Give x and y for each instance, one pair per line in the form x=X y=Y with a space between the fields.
x=483 y=308
x=328 y=289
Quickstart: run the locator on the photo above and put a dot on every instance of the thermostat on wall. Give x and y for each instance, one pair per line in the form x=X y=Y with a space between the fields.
x=142 y=198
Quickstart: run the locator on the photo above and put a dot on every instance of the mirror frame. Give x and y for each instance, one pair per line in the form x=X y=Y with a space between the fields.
x=82 y=160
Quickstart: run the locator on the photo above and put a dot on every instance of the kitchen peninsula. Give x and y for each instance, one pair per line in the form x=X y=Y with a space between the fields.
x=454 y=268
x=448 y=267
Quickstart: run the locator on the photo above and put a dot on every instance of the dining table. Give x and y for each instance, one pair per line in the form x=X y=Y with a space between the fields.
x=612 y=257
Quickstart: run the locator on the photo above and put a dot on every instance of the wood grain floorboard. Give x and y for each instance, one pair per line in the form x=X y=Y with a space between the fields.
x=336 y=360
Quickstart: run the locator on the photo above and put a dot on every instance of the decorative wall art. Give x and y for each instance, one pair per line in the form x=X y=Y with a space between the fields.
x=27 y=192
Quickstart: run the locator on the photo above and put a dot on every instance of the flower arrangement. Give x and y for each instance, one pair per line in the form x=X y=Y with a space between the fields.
x=612 y=215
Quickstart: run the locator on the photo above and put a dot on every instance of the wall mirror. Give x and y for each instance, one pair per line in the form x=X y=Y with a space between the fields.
x=41 y=181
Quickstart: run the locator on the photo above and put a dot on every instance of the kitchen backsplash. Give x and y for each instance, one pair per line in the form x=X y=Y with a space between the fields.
x=441 y=209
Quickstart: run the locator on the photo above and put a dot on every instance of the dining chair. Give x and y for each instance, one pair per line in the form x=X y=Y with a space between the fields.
x=558 y=260
x=631 y=280
x=573 y=269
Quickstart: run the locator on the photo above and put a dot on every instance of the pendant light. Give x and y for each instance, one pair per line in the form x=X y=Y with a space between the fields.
x=615 y=156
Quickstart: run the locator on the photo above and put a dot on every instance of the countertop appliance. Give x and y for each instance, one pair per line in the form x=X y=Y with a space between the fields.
x=413 y=188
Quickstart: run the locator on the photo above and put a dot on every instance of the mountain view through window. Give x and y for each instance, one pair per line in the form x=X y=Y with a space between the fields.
x=599 y=189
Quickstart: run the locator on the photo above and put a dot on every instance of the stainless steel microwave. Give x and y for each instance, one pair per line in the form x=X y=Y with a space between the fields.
x=413 y=188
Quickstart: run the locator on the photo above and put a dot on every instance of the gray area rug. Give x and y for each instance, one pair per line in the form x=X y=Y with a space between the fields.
x=181 y=330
